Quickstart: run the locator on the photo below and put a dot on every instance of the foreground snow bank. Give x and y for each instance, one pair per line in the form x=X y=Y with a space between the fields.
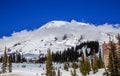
x=64 y=73
x=24 y=69
x=17 y=74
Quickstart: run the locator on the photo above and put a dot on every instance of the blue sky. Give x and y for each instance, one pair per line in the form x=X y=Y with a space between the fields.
x=16 y=15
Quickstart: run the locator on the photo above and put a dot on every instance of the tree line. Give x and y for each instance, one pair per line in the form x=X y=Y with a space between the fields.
x=73 y=53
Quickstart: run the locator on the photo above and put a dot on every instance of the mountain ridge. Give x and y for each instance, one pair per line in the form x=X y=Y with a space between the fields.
x=57 y=35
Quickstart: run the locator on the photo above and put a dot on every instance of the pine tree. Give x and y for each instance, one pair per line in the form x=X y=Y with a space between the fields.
x=1 y=59
x=100 y=63
x=84 y=66
x=53 y=72
x=118 y=53
x=74 y=65
x=88 y=65
x=59 y=72
x=113 y=60
x=10 y=64
x=49 y=66
x=118 y=38
x=65 y=66
x=4 y=62
x=110 y=65
x=94 y=63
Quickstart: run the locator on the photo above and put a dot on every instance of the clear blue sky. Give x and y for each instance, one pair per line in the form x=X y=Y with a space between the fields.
x=16 y=15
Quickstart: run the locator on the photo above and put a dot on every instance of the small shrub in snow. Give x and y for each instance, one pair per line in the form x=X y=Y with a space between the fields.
x=65 y=66
x=23 y=66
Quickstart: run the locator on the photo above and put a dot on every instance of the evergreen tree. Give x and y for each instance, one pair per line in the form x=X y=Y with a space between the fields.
x=53 y=72
x=22 y=58
x=65 y=66
x=84 y=66
x=88 y=65
x=113 y=60
x=1 y=59
x=59 y=72
x=4 y=62
x=18 y=57
x=74 y=65
x=94 y=63
x=100 y=63
x=49 y=67
x=110 y=65
x=10 y=64
x=118 y=38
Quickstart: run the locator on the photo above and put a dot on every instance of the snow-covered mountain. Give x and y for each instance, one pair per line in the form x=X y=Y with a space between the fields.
x=57 y=35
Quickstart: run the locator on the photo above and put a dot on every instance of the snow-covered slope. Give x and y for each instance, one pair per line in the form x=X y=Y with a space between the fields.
x=57 y=35
x=37 y=70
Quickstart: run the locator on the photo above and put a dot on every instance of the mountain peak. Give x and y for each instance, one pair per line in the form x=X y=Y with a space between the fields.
x=58 y=23
x=54 y=23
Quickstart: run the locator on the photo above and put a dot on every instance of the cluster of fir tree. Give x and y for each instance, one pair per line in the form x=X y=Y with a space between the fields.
x=50 y=71
x=73 y=53
x=70 y=55
x=16 y=57
x=6 y=63
x=87 y=64
x=93 y=45
x=92 y=63
x=41 y=59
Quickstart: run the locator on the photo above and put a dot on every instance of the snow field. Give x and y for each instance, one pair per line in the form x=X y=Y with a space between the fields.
x=40 y=69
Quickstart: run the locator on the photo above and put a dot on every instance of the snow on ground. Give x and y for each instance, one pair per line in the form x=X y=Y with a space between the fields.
x=17 y=74
x=24 y=69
